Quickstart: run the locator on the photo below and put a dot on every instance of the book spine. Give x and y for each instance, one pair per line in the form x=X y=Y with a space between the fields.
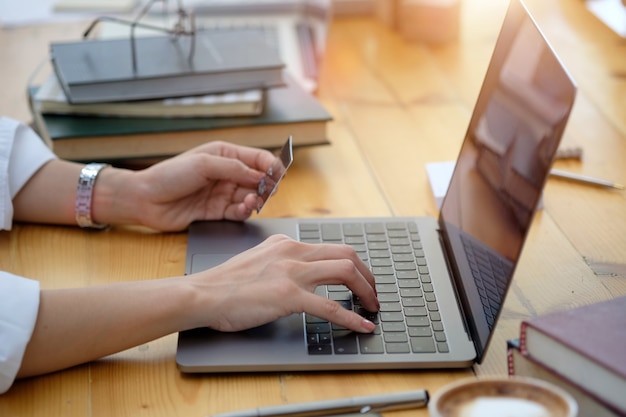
x=38 y=122
x=59 y=74
x=522 y=338
x=511 y=347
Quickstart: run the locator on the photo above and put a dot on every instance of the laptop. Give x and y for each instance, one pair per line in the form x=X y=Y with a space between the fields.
x=441 y=282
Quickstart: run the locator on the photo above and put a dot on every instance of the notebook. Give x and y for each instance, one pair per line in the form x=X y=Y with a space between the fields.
x=441 y=282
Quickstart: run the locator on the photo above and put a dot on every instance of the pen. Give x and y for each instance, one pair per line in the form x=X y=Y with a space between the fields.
x=364 y=404
x=585 y=179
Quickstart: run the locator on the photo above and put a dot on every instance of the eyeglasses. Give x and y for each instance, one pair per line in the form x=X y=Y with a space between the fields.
x=185 y=25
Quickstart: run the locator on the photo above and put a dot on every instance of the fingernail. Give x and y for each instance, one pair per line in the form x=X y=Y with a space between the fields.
x=368 y=326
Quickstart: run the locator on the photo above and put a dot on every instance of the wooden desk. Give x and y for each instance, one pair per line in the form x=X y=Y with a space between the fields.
x=396 y=106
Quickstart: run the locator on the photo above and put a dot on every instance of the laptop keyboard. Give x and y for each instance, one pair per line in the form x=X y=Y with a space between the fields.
x=491 y=275
x=408 y=320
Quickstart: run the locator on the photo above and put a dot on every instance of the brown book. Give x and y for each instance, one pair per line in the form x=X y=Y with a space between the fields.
x=524 y=365
x=585 y=345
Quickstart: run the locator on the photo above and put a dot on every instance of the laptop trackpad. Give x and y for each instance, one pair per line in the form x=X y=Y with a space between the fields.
x=212 y=243
x=256 y=349
x=204 y=261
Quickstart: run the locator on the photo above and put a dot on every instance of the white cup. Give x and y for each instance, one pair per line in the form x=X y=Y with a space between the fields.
x=502 y=397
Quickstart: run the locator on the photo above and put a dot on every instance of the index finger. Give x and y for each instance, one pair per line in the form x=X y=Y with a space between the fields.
x=319 y=251
x=256 y=158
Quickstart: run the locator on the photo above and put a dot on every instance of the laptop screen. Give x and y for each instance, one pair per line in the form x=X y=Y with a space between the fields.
x=505 y=159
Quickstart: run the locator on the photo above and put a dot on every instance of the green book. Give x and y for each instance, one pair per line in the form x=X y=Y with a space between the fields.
x=289 y=110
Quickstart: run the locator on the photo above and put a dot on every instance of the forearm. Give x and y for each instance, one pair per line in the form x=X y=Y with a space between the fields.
x=50 y=188
x=79 y=325
x=54 y=186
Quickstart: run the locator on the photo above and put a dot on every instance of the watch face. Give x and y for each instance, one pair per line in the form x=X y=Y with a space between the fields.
x=268 y=184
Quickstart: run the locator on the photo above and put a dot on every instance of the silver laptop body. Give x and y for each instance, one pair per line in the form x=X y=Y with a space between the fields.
x=450 y=275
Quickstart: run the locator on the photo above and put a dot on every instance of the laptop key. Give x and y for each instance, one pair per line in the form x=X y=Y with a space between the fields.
x=420 y=332
x=401 y=249
x=405 y=266
x=340 y=295
x=437 y=326
x=409 y=283
x=376 y=238
x=384 y=279
x=381 y=262
x=396 y=226
x=413 y=302
x=395 y=337
x=317 y=328
x=311 y=234
x=393 y=327
x=411 y=292
x=353 y=229
x=315 y=319
x=423 y=345
x=394 y=241
x=358 y=247
x=402 y=257
x=354 y=240
x=374 y=228
x=415 y=311
x=320 y=349
x=386 y=316
x=381 y=288
x=382 y=270
x=345 y=343
x=332 y=231
x=378 y=245
x=442 y=347
x=369 y=343
x=407 y=274
x=389 y=297
x=418 y=321
x=397 y=348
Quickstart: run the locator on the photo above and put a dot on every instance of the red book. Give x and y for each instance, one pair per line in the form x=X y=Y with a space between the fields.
x=524 y=365
x=585 y=345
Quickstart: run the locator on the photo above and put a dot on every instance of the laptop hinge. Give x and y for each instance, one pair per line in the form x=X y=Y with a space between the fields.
x=460 y=297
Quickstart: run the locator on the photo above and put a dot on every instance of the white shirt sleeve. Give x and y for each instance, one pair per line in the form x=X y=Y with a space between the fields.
x=22 y=153
x=19 y=305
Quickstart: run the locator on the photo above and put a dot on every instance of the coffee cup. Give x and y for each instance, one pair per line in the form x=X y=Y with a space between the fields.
x=502 y=397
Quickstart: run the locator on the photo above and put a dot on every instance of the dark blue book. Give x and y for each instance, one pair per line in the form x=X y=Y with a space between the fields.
x=223 y=60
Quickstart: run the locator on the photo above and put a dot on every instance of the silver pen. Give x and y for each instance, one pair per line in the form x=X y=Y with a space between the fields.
x=585 y=179
x=364 y=404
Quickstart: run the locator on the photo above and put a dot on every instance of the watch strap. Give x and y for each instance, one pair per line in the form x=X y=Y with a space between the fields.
x=84 y=194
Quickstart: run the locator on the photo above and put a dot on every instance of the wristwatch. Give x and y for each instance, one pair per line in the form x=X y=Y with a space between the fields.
x=84 y=193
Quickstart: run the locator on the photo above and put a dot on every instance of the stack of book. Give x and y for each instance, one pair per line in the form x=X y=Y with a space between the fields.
x=582 y=351
x=107 y=100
